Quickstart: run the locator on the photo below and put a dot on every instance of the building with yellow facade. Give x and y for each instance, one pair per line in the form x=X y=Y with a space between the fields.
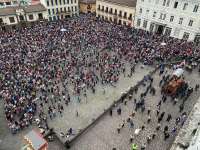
x=87 y=6
x=118 y=11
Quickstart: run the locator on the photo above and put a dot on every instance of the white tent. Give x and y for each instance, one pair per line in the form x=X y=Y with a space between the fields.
x=178 y=72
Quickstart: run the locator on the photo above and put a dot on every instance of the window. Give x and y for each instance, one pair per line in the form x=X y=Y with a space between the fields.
x=161 y=16
x=196 y=8
x=115 y=11
x=145 y=24
x=56 y=2
x=106 y=9
x=57 y=10
x=69 y=9
x=40 y=16
x=65 y=10
x=164 y=16
x=8 y=3
x=102 y=8
x=168 y=2
x=186 y=36
x=171 y=18
x=52 y=2
x=140 y=10
x=125 y=14
x=1 y=20
x=197 y=39
x=168 y=31
x=151 y=27
x=147 y=11
x=67 y=1
x=21 y=18
x=72 y=1
x=175 y=4
x=60 y=9
x=64 y=2
x=185 y=6
x=49 y=11
x=75 y=8
x=30 y=17
x=154 y=14
x=60 y=2
x=190 y=23
x=53 y=11
x=111 y=10
x=180 y=21
x=120 y=13
x=72 y=8
x=130 y=17
x=164 y=2
x=12 y=19
x=47 y=3
x=138 y=22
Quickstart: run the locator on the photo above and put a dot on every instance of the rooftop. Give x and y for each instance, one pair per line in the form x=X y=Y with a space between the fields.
x=129 y=3
x=28 y=9
x=88 y=1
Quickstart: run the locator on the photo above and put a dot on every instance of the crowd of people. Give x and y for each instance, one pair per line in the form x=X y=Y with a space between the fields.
x=39 y=64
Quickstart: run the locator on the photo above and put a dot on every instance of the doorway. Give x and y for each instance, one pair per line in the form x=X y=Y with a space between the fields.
x=160 y=29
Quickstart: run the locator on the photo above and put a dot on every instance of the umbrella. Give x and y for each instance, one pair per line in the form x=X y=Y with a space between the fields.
x=134 y=147
x=63 y=30
x=163 y=44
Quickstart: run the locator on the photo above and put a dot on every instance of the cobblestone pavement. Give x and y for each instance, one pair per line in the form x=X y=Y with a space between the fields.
x=104 y=136
x=95 y=105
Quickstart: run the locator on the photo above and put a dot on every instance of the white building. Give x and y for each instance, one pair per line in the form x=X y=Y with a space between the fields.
x=117 y=11
x=60 y=9
x=176 y=18
x=11 y=17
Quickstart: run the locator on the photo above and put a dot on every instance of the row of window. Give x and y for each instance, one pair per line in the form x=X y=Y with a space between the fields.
x=115 y=12
x=167 y=30
x=60 y=2
x=185 y=6
x=117 y=21
x=171 y=19
x=21 y=18
x=177 y=5
x=64 y=9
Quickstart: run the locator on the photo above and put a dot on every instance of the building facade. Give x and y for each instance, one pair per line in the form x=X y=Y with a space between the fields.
x=87 y=6
x=117 y=11
x=12 y=17
x=8 y=3
x=61 y=9
x=176 y=18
